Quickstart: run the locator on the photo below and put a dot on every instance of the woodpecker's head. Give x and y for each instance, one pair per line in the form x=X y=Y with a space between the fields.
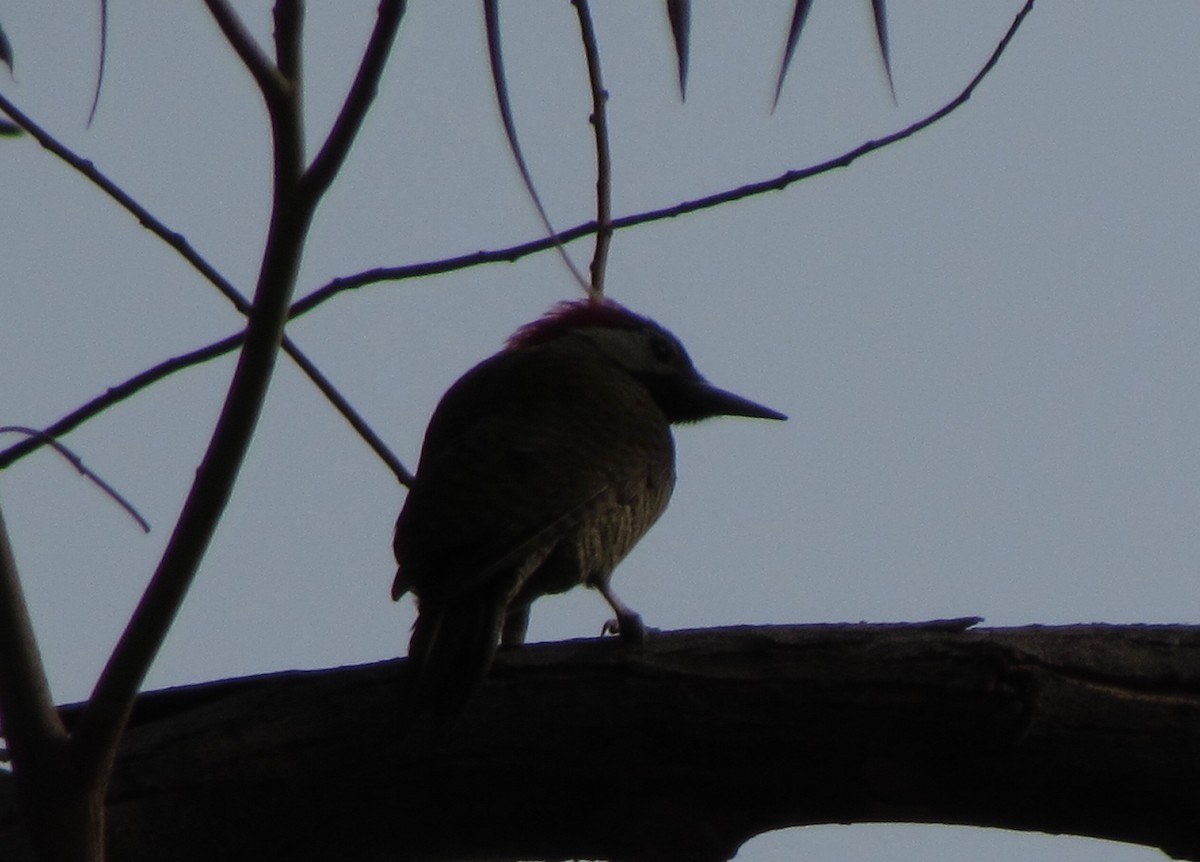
x=646 y=352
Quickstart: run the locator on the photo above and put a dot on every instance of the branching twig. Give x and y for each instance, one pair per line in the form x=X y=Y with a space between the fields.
x=108 y=708
x=78 y=464
x=599 y=120
x=185 y=250
x=516 y=252
x=354 y=109
x=510 y=253
x=269 y=79
x=365 y=431
x=117 y=394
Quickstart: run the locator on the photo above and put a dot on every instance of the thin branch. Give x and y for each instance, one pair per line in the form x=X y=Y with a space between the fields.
x=31 y=722
x=185 y=250
x=116 y=394
x=365 y=431
x=78 y=464
x=516 y=252
x=491 y=18
x=362 y=93
x=94 y=741
x=122 y=391
x=268 y=78
x=145 y=218
x=108 y=708
x=599 y=120
x=508 y=254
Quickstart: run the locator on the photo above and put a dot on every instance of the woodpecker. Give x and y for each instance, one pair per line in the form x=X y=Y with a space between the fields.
x=541 y=468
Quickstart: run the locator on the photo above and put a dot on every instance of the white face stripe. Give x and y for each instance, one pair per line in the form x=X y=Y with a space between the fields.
x=645 y=350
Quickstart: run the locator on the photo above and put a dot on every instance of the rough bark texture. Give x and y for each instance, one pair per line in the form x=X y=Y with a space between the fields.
x=681 y=749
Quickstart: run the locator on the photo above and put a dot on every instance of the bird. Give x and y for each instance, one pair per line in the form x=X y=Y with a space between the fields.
x=541 y=467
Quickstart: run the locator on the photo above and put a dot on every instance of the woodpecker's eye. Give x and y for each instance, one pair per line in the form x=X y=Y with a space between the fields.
x=662 y=348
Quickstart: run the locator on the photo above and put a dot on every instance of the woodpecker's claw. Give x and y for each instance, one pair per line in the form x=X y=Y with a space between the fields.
x=628 y=627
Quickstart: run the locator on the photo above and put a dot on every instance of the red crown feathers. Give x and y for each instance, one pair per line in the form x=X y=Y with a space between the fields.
x=570 y=315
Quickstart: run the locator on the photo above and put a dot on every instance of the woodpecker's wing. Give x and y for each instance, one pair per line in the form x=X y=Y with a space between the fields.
x=516 y=452
x=528 y=552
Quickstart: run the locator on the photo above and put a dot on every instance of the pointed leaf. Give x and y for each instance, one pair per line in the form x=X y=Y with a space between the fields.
x=679 y=14
x=6 y=55
x=100 y=65
x=8 y=130
x=799 y=15
x=881 y=38
x=491 y=19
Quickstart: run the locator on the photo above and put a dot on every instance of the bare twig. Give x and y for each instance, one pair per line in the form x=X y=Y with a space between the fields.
x=270 y=82
x=116 y=394
x=147 y=220
x=516 y=252
x=508 y=254
x=362 y=93
x=108 y=708
x=78 y=464
x=599 y=120
x=491 y=17
x=185 y=250
x=365 y=431
x=122 y=391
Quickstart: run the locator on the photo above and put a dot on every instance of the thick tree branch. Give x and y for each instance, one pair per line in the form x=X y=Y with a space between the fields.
x=31 y=725
x=683 y=748
x=289 y=41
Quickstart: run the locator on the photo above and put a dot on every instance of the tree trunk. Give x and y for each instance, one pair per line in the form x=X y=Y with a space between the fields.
x=683 y=748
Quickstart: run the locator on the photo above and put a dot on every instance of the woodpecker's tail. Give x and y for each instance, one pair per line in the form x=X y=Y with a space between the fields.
x=452 y=646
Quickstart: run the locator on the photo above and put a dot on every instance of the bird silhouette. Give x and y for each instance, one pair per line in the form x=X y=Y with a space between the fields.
x=541 y=468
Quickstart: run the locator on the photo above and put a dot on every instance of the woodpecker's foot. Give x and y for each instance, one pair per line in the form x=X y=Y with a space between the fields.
x=628 y=627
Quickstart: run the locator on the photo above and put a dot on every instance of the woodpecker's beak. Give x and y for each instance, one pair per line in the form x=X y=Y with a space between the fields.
x=712 y=401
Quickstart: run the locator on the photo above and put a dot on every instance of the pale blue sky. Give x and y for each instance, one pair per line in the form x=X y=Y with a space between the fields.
x=986 y=336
